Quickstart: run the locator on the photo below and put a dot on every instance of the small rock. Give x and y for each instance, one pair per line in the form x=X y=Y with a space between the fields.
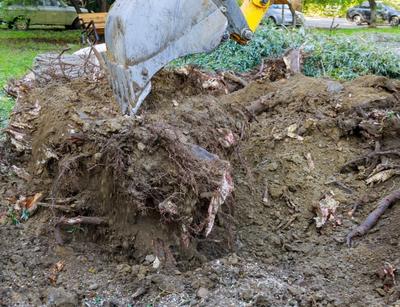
x=334 y=87
x=93 y=287
x=135 y=269
x=380 y=291
x=150 y=258
x=156 y=263
x=202 y=292
x=141 y=146
x=233 y=259
x=143 y=270
x=261 y=301
x=276 y=191
x=97 y=156
x=246 y=294
x=59 y=297
x=124 y=268
x=168 y=283
x=273 y=166
x=140 y=291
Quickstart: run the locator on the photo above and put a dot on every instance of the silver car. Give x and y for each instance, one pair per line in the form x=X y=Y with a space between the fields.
x=22 y=14
x=279 y=14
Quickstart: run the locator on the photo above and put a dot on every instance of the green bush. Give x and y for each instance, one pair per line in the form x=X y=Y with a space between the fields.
x=336 y=56
x=320 y=8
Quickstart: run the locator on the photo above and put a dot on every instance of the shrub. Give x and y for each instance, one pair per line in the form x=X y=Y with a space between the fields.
x=337 y=56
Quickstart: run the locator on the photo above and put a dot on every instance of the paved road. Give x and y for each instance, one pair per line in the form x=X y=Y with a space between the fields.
x=325 y=23
x=340 y=23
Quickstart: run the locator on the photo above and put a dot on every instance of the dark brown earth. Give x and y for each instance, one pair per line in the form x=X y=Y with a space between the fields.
x=69 y=142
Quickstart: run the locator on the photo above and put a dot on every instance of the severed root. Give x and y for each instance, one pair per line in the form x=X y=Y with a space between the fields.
x=91 y=220
x=373 y=217
x=359 y=161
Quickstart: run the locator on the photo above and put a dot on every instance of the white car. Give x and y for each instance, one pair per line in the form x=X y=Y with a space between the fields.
x=22 y=14
x=280 y=14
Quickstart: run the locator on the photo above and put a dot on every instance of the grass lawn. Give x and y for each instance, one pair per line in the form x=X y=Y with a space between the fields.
x=355 y=31
x=19 y=48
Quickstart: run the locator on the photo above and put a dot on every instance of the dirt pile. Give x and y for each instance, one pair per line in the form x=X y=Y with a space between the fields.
x=211 y=167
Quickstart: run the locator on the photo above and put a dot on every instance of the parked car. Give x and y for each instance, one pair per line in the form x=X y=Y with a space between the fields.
x=23 y=13
x=280 y=14
x=362 y=14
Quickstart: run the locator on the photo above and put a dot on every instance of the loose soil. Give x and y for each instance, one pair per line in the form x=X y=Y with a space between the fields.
x=152 y=179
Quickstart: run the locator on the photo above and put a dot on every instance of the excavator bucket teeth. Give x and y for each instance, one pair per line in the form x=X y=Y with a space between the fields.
x=144 y=36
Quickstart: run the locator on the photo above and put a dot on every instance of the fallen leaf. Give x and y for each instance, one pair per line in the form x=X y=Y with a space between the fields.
x=55 y=269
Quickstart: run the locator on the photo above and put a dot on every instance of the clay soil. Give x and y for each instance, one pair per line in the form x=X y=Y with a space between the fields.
x=285 y=143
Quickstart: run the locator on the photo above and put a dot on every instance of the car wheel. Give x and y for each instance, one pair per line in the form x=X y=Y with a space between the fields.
x=75 y=25
x=357 y=20
x=271 y=21
x=395 y=21
x=21 y=23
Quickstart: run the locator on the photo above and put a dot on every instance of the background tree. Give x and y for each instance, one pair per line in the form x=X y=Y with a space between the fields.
x=372 y=4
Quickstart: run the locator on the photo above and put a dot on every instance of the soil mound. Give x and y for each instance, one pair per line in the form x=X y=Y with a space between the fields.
x=269 y=170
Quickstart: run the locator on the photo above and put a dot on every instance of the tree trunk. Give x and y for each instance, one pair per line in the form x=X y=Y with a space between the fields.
x=76 y=6
x=293 y=11
x=102 y=4
x=372 y=5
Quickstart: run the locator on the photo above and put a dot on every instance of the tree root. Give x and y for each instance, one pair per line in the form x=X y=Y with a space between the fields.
x=373 y=217
x=359 y=161
x=90 y=220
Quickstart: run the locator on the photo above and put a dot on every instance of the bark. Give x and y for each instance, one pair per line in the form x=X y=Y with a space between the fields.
x=372 y=4
x=76 y=6
x=102 y=4
x=373 y=217
x=293 y=11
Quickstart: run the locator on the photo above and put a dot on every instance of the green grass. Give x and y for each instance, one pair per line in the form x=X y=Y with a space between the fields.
x=357 y=31
x=18 y=50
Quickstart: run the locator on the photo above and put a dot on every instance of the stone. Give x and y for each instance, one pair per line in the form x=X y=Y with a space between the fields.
x=93 y=286
x=156 y=263
x=150 y=258
x=124 y=268
x=261 y=301
x=273 y=166
x=202 y=292
x=334 y=87
x=276 y=191
x=59 y=297
x=246 y=295
x=233 y=259
x=135 y=269
x=143 y=270
x=381 y=292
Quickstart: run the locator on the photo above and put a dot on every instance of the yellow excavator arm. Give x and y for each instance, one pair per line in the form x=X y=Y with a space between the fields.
x=254 y=11
x=142 y=36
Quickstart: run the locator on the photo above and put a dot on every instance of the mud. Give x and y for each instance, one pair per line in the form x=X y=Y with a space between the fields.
x=284 y=143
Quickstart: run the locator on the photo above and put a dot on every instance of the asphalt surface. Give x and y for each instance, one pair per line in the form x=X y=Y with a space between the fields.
x=326 y=23
x=340 y=23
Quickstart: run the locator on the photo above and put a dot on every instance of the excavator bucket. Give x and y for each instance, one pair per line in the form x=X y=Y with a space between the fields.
x=142 y=36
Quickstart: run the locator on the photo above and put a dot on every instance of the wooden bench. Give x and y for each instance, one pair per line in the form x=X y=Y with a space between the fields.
x=93 y=24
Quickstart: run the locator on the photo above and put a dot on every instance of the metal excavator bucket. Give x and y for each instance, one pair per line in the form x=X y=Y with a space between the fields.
x=142 y=36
